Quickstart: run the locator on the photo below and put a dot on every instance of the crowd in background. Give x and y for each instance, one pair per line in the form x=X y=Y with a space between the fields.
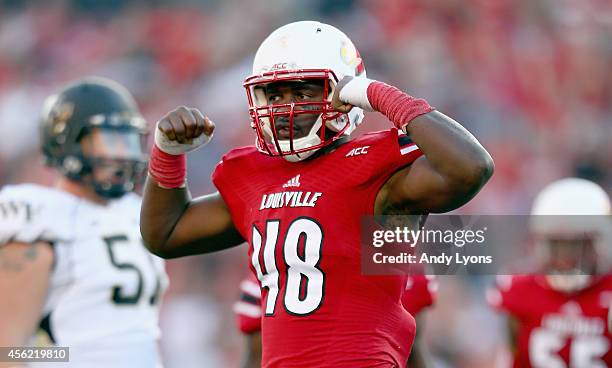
x=531 y=79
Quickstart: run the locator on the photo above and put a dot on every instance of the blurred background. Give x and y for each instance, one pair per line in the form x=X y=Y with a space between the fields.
x=530 y=78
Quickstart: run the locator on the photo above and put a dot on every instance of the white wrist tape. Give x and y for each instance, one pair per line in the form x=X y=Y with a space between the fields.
x=175 y=148
x=355 y=93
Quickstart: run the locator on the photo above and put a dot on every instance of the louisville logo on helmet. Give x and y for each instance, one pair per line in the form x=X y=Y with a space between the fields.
x=350 y=56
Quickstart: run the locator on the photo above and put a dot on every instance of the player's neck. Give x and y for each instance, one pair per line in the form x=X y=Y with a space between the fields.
x=79 y=190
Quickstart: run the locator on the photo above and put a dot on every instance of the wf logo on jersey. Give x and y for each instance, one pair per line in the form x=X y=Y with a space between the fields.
x=15 y=210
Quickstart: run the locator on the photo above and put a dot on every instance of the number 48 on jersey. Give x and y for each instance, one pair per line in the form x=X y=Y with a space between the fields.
x=301 y=249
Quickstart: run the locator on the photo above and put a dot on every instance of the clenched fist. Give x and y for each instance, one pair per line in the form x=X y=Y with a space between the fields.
x=352 y=91
x=337 y=103
x=183 y=130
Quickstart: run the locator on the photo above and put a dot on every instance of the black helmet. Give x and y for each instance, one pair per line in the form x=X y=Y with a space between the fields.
x=75 y=112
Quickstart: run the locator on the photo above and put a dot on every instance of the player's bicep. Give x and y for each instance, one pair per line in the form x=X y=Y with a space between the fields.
x=417 y=187
x=422 y=189
x=24 y=279
x=205 y=226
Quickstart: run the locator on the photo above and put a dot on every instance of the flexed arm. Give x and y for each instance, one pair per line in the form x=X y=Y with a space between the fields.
x=452 y=170
x=454 y=166
x=173 y=224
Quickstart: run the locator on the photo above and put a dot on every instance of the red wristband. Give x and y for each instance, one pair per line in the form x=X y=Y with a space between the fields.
x=168 y=170
x=396 y=105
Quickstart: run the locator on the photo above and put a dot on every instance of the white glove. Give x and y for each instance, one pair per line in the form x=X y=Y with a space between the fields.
x=355 y=93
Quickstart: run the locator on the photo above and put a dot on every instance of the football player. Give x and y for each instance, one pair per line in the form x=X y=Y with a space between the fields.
x=420 y=294
x=71 y=256
x=298 y=195
x=559 y=318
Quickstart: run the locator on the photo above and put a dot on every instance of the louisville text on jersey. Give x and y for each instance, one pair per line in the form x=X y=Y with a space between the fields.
x=289 y=199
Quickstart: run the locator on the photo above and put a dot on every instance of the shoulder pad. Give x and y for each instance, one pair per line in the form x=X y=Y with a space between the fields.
x=31 y=213
x=239 y=153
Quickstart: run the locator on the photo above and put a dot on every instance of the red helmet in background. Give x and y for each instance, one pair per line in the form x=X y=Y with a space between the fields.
x=571 y=225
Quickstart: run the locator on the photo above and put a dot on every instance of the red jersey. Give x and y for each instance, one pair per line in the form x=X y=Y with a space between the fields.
x=302 y=222
x=557 y=329
x=420 y=293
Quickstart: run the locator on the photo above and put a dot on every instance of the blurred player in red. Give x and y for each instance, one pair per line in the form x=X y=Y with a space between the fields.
x=560 y=319
x=420 y=293
x=298 y=195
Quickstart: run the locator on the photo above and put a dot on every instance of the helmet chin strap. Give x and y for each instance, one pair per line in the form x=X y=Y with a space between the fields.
x=311 y=139
x=105 y=189
x=297 y=157
x=110 y=191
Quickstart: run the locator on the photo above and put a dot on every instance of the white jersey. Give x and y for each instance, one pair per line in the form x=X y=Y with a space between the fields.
x=105 y=286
